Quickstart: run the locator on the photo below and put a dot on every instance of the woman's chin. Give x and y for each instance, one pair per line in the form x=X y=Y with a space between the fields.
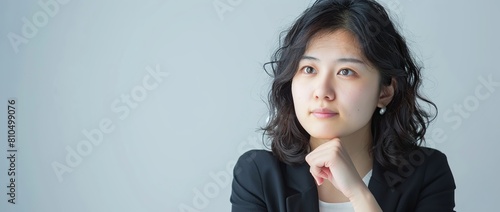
x=324 y=136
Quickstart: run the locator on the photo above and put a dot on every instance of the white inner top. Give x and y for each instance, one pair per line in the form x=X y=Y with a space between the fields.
x=342 y=206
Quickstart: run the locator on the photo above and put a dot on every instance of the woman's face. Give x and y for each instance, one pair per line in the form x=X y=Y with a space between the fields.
x=335 y=90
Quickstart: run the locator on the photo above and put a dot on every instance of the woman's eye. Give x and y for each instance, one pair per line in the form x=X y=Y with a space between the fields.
x=309 y=70
x=346 y=72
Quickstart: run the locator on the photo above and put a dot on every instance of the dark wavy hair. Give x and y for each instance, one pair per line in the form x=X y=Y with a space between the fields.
x=400 y=130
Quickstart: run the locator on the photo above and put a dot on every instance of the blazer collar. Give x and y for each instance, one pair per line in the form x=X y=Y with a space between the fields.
x=382 y=187
x=303 y=193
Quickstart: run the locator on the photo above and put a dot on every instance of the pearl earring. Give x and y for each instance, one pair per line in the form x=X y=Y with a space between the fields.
x=382 y=110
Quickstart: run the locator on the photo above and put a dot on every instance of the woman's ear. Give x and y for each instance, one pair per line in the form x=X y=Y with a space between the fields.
x=386 y=94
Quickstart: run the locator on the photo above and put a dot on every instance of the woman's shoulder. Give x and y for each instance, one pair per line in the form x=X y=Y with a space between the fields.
x=433 y=161
x=423 y=164
x=423 y=179
x=257 y=176
x=257 y=158
x=259 y=167
x=425 y=156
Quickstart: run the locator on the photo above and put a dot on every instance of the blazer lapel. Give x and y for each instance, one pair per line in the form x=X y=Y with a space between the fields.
x=303 y=194
x=387 y=196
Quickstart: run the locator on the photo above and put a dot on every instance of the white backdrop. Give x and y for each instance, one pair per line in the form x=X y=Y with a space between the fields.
x=146 y=105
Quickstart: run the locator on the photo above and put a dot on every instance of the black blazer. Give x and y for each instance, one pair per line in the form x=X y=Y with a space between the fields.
x=262 y=183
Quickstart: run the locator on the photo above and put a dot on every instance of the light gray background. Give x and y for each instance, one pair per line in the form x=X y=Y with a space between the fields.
x=175 y=150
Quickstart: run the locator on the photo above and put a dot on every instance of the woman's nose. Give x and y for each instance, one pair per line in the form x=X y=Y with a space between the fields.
x=324 y=89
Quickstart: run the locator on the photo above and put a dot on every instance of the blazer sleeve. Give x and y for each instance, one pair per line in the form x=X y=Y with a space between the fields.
x=247 y=193
x=438 y=189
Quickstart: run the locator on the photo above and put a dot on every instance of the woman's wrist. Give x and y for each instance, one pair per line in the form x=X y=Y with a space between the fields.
x=363 y=200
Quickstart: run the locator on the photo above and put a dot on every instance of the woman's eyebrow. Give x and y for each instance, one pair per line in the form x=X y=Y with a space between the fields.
x=305 y=57
x=350 y=60
x=344 y=59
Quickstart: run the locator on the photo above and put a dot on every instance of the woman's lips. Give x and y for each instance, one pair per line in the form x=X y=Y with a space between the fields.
x=324 y=113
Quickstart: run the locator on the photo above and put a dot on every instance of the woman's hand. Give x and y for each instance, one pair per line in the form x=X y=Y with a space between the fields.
x=332 y=162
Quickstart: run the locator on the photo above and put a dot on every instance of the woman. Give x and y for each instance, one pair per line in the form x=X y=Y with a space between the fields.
x=345 y=127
